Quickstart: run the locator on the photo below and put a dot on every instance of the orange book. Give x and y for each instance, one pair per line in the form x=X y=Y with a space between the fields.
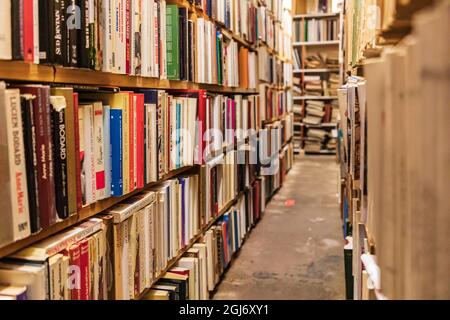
x=243 y=67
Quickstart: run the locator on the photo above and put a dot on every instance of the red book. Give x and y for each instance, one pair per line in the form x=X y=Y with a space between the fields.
x=225 y=241
x=75 y=274
x=128 y=37
x=77 y=152
x=140 y=134
x=84 y=270
x=132 y=148
x=44 y=157
x=28 y=31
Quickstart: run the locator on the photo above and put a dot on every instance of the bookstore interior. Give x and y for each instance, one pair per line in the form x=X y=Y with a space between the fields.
x=224 y=150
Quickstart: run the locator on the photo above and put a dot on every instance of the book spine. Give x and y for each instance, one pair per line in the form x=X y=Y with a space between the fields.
x=116 y=153
x=75 y=272
x=28 y=31
x=84 y=270
x=107 y=149
x=46 y=31
x=128 y=21
x=140 y=160
x=131 y=143
x=92 y=40
x=29 y=138
x=73 y=28
x=17 y=19
x=77 y=152
x=18 y=192
x=83 y=34
x=58 y=107
x=36 y=31
x=156 y=13
x=88 y=161
x=5 y=31
x=59 y=30
x=99 y=151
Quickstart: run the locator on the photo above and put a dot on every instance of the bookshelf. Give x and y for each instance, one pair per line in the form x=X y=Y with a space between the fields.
x=278 y=44
x=318 y=69
x=385 y=219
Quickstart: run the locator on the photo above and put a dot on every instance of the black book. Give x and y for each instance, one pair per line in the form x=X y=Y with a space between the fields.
x=58 y=109
x=72 y=30
x=191 y=54
x=17 y=29
x=30 y=160
x=181 y=285
x=183 y=43
x=84 y=35
x=173 y=289
x=61 y=57
x=348 y=262
x=46 y=32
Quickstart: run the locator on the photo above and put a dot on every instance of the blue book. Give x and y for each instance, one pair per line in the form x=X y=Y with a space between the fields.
x=178 y=144
x=116 y=152
x=226 y=219
x=107 y=149
x=183 y=210
x=236 y=231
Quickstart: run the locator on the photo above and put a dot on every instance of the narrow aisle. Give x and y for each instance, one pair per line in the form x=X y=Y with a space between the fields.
x=295 y=252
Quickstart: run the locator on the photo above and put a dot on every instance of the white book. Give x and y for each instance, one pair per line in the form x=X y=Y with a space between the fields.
x=154 y=146
x=65 y=263
x=33 y=276
x=106 y=34
x=5 y=30
x=13 y=180
x=201 y=247
x=145 y=39
x=120 y=36
x=89 y=160
x=54 y=275
x=99 y=150
x=151 y=39
x=156 y=39
x=36 y=30
x=192 y=265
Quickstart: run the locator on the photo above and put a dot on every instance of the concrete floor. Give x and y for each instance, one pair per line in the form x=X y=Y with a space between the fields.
x=295 y=253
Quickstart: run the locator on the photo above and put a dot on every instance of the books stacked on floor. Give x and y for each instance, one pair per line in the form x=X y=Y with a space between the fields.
x=316 y=30
x=117 y=255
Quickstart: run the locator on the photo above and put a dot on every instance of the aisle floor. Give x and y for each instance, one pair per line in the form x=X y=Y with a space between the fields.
x=296 y=251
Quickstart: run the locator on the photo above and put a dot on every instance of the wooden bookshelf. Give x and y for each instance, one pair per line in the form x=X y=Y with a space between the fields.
x=83 y=214
x=297 y=71
x=198 y=237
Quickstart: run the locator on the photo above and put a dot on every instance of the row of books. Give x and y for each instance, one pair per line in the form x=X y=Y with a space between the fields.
x=92 y=145
x=136 y=37
x=273 y=103
x=199 y=271
x=120 y=254
x=237 y=16
x=316 y=30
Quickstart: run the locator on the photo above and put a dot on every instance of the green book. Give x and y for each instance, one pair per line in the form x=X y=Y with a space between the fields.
x=173 y=42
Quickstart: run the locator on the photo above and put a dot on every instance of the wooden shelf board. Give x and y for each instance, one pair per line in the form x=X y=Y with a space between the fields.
x=318 y=15
x=24 y=71
x=316 y=43
x=315 y=70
